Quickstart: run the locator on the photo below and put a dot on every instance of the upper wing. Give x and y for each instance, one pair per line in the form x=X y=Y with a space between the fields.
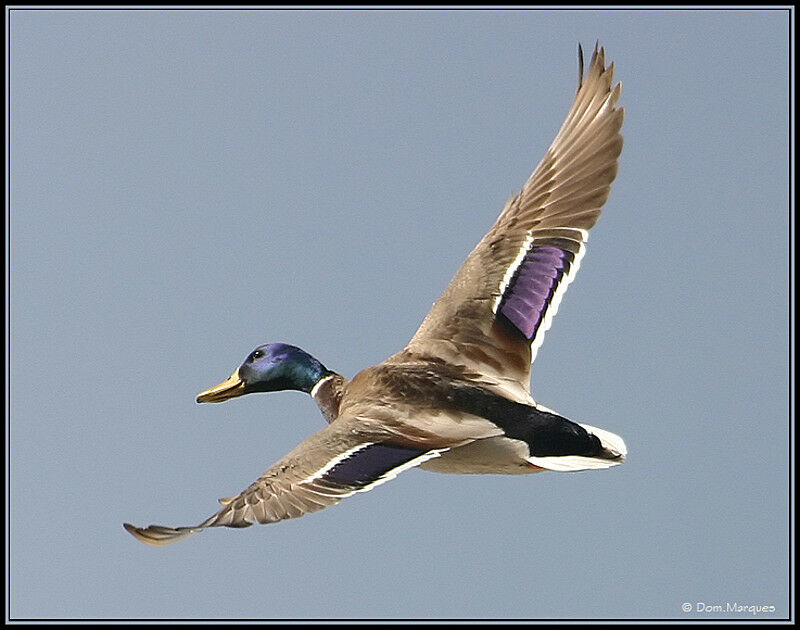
x=329 y=466
x=496 y=309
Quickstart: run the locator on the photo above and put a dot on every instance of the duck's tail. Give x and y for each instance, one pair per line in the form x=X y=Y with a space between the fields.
x=611 y=452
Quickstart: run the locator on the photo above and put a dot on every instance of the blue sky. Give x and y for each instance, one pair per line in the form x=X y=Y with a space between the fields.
x=186 y=185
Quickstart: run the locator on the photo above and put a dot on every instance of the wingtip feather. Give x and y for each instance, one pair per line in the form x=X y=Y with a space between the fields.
x=157 y=535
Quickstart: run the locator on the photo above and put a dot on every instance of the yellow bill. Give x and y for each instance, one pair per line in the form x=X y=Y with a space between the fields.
x=231 y=388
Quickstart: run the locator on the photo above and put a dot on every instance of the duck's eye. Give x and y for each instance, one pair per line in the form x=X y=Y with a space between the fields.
x=256 y=355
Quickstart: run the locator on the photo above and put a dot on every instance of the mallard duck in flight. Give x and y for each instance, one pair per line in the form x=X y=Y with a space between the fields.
x=457 y=398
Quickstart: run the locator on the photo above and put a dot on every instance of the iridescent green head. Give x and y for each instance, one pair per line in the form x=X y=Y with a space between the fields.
x=269 y=368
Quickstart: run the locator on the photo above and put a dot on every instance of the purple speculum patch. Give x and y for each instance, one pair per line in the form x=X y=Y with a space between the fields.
x=531 y=288
x=370 y=463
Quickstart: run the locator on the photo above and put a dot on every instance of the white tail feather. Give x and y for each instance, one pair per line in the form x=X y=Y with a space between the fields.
x=568 y=463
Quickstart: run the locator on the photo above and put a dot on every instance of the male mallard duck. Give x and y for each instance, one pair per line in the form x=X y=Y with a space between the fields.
x=457 y=398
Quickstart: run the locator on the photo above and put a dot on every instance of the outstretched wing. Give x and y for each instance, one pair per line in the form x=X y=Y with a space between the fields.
x=329 y=466
x=498 y=306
